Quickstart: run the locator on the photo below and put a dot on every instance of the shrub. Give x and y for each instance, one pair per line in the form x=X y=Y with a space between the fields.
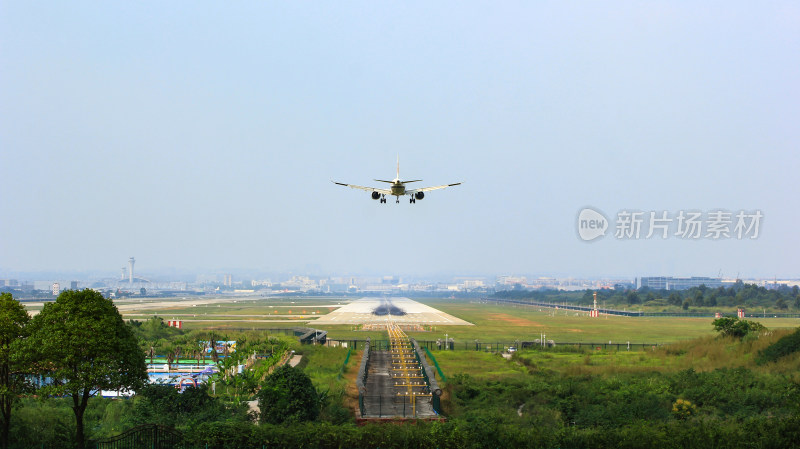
x=734 y=327
x=288 y=395
x=683 y=409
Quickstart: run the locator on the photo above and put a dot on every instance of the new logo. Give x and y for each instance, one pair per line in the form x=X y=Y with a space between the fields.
x=591 y=224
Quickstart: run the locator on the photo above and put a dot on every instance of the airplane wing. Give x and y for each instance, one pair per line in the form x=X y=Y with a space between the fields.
x=428 y=189
x=368 y=189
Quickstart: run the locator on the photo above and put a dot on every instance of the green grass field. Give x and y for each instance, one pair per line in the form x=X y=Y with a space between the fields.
x=492 y=322
x=505 y=323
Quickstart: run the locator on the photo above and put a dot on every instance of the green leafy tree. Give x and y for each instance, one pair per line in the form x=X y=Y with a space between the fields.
x=734 y=327
x=13 y=321
x=155 y=329
x=163 y=404
x=287 y=395
x=81 y=342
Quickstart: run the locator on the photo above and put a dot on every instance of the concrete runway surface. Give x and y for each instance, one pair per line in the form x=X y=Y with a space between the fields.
x=361 y=312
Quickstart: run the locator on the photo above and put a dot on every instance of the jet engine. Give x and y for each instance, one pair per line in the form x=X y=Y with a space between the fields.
x=419 y=195
x=375 y=195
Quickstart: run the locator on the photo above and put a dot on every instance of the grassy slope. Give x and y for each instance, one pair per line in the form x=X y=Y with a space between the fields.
x=702 y=354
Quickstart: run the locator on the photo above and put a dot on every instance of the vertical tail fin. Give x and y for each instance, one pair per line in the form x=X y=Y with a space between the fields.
x=398 y=167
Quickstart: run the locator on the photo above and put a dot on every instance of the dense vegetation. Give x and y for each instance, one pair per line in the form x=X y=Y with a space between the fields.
x=740 y=295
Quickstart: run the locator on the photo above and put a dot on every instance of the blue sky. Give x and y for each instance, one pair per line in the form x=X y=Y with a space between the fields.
x=203 y=136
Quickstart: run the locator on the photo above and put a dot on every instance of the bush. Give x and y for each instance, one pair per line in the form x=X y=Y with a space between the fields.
x=163 y=404
x=288 y=395
x=734 y=327
x=683 y=409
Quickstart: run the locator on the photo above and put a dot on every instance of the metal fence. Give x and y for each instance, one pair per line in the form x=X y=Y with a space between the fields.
x=501 y=346
x=436 y=365
x=383 y=406
x=151 y=436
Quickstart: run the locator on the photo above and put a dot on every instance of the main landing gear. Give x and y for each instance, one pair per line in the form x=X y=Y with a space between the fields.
x=383 y=198
x=412 y=200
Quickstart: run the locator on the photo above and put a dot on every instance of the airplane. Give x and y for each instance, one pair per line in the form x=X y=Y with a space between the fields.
x=397 y=188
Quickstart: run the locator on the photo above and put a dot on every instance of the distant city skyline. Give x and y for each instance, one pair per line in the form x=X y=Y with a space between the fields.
x=202 y=137
x=230 y=277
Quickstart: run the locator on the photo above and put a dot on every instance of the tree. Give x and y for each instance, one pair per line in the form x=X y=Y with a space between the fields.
x=288 y=395
x=781 y=304
x=163 y=404
x=81 y=342
x=734 y=327
x=13 y=321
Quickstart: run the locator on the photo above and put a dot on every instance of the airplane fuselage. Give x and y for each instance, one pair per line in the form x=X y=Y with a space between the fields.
x=398 y=188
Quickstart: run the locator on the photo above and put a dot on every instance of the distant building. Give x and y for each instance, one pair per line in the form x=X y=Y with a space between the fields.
x=470 y=284
x=73 y=285
x=56 y=288
x=390 y=280
x=508 y=281
x=676 y=283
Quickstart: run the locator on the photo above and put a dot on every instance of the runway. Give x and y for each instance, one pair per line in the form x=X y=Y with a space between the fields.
x=413 y=312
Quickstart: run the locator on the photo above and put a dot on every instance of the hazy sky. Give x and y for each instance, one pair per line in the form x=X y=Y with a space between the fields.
x=204 y=135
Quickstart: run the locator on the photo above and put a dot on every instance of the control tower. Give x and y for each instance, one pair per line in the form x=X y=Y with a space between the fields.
x=131 y=261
